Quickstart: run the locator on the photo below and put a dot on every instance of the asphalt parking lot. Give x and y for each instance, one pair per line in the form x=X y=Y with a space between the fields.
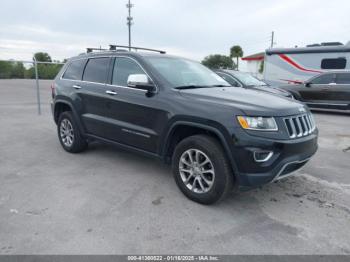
x=110 y=201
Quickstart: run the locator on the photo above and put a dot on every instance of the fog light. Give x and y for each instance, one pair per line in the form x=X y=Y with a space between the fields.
x=262 y=156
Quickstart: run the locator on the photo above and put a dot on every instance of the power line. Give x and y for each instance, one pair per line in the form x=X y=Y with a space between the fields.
x=129 y=21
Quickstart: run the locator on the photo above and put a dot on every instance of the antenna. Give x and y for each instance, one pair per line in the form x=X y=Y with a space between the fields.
x=272 y=38
x=129 y=21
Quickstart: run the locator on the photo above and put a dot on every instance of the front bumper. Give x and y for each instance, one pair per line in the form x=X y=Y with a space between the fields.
x=288 y=156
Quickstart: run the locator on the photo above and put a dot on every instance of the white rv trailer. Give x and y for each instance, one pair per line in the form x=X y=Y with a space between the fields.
x=296 y=65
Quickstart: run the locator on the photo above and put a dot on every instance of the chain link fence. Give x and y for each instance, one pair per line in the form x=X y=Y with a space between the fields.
x=18 y=70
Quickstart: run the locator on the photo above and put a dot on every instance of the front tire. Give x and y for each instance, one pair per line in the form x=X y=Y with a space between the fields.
x=69 y=134
x=201 y=169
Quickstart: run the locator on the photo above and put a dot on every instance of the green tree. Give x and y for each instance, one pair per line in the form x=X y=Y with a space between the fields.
x=235 y=52
x=42 y=57
x=218 y=61
x=9 y=69
x=5 y=69
x=261 y=69
x=45 y=71
x=29 y=73
x=17 y=70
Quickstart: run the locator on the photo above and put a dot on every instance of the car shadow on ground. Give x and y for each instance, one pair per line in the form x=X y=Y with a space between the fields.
x=293 y=196
x=293 y=187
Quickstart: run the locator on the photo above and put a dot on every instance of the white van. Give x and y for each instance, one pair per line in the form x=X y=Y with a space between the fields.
x=295 y=65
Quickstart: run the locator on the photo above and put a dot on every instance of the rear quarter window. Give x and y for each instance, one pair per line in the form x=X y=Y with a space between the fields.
x=75 y=70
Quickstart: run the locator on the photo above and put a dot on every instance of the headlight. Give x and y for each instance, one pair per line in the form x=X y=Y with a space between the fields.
x=258 y=123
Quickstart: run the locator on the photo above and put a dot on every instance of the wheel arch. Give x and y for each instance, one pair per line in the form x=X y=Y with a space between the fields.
x=295 y=94
x=172 y=138
x=61 y=106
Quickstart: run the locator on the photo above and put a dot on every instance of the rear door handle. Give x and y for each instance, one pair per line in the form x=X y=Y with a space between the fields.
x=77 y=86
x=110 y=92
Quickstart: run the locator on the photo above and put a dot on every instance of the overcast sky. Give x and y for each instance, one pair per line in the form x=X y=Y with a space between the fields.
x=192 y=29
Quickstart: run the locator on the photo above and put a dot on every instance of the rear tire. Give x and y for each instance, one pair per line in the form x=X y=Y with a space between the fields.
x=202 y=170
x=69 y=135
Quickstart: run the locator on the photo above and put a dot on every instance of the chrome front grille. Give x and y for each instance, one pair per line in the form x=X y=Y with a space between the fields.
x=300 y=125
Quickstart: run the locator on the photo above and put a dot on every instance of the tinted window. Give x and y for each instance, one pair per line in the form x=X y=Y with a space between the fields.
x=323 y=79
x=343 y=79
x=122 y=69
x=75 y=70
x=96 y=70
x=333 y=63
x=229 y=79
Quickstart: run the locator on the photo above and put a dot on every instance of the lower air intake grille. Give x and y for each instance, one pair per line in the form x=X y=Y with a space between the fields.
x=301 y=125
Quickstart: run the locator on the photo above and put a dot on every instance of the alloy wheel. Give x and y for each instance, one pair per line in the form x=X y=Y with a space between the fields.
x=67 y=132
x=196 y=171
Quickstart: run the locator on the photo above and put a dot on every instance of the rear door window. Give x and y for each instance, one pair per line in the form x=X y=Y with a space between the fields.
x=333 y=63
x=343 y=78
x=96 y=70
x=323 y=79
x=75 y=70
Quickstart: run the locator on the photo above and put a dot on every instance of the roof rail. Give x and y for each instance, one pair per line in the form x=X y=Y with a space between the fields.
x=91 y=49
x=331 y=44
x=114 y=48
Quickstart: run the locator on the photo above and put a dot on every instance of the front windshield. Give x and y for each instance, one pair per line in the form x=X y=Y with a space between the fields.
x=248 y=80
x=180 y=72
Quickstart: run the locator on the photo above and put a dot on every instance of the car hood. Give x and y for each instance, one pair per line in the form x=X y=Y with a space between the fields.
x=272 y=89
x=251 y=102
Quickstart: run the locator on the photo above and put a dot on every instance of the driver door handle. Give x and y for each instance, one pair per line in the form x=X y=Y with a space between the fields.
x=110 y=92
x=77 y=86
x=330 y=85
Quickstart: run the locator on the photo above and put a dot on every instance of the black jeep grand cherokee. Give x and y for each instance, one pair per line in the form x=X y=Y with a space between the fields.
x=215 y=136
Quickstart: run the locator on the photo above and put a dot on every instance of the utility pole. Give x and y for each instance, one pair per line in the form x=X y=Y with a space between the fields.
x=272 y=38
x=129 y=21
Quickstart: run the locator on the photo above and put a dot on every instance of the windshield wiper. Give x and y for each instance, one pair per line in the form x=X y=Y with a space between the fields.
x=255 y=85
x=188 y=87
x=198 y=86
x=218 y=86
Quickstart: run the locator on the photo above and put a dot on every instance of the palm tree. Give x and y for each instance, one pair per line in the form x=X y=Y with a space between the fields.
x=236 y=51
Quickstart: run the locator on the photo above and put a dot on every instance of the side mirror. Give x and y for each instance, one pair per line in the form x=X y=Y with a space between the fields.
x=307 y=84
x=140 y=81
